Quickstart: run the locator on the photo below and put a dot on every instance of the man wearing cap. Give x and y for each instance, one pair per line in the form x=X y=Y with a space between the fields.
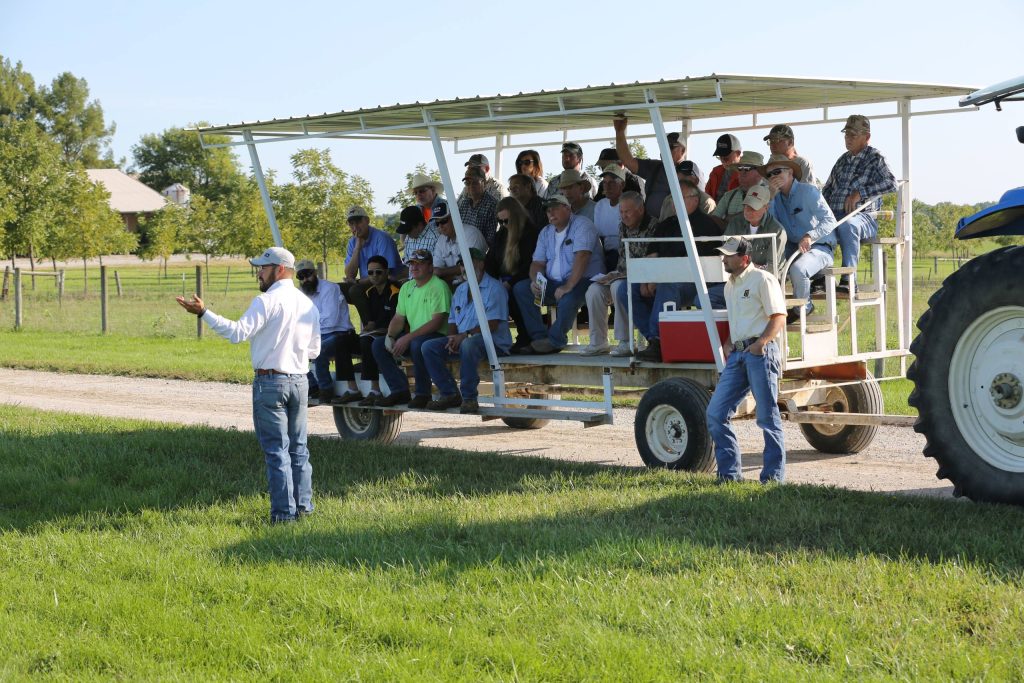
x=569 y=254
x=492 y=185
x=338 y=340
x=427 y=193
x=577 y=188
x=809 y=223
x=723 y=178
x=446 y=252
x=651 y=170
x=418 y=233
x=465 y=342
x=757 y=313
x=523 y=190
x=283 y=329
x=366 y=242
x=423 y=304
x=572 y=160
x=602 y=292
x=610 y=157
x=755 y=220
x=748 y=174
x=860 y=175
x=606 y=213
x=781 y=140
x=477 y=207
x=688 y=174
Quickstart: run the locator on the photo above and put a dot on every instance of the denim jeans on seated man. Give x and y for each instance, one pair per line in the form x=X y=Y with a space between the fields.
x=566 y=309
x=277 y=402
x=646 y=310
x=807 y=266
x=760 y=375
x=320 y=375
x=860 y=228
x=471 y=351
x=393 y=373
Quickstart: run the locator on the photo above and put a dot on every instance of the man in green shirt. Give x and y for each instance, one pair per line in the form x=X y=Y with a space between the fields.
x=422 y=314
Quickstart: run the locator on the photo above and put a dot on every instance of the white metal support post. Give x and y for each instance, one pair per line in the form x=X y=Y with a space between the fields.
x=257 y=171
x=499 y=147
x=684 y=224
x=460 y=236
x=906 y=321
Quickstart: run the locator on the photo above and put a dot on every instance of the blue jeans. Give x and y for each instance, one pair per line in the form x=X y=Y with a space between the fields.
x=760 y=375
x=393 y=373
x=807 y=266
x=647 y=309
x=471 y=351
x=852 y=233
x=566 y=309
x=279 y=415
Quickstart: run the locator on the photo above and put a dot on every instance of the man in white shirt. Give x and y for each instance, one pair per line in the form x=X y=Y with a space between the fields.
x=283 y=329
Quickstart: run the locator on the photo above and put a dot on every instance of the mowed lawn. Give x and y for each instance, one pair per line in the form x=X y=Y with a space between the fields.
x=134 y=550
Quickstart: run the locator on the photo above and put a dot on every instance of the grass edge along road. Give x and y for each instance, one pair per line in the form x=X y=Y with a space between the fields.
x=140 y=550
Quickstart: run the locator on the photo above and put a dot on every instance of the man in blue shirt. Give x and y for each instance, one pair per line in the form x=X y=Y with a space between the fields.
x=861 y=174
x=366 y=241
x=568 y=254
x=465 y=342
x=809 y=223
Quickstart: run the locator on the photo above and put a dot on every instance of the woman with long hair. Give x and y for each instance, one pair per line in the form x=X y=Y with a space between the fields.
x=528 y=163
x=508 y=261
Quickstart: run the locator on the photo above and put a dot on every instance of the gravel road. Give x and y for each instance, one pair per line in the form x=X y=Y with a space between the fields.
x=893 y=463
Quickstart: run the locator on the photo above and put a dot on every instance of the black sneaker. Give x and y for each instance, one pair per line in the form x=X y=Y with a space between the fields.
x=393 y=399
x=418 y=402
x=652 y=354
x=445 y=402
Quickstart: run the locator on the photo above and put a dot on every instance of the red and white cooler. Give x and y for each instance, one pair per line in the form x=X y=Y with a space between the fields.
x=684 y=336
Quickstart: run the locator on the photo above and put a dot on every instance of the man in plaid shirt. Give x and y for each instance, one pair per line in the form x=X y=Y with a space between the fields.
x=860 y=174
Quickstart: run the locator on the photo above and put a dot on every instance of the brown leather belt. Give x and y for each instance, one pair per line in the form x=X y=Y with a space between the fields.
x=263 y=373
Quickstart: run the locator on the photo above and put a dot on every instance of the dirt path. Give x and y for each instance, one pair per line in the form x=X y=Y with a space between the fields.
x=893 y=463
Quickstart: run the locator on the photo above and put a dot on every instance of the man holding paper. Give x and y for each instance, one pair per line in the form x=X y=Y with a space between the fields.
x=568 y=255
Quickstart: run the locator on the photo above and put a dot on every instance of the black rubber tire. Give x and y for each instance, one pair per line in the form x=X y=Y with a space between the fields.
x=362 y=424
x=528 y=422
x=865 y=397
x=671 y=428
x=984 y=284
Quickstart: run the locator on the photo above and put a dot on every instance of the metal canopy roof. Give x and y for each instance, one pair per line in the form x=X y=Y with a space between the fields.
x=591 y=107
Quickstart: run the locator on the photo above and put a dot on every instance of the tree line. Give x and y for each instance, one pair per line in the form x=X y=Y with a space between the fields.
x=50 y=210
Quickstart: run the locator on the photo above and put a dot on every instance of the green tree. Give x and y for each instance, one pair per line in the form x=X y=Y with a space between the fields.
x=405 y=196
x=312 y=210
x=245 y=225
x=176 y=156
x=161 y=233
x=18 y=95
x=75 y=122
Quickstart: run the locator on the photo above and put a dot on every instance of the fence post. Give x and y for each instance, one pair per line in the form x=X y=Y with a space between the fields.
x=103 y=299
x=199 y=293
x=117 y=281
x=17 y=299
x=4 y=290
x=227 y=281
x=60 y=287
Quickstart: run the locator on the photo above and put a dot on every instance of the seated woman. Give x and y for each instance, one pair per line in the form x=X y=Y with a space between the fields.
x=528 y=163
x=509 y=259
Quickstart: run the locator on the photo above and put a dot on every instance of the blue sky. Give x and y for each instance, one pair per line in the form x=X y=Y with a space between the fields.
x=155 y=65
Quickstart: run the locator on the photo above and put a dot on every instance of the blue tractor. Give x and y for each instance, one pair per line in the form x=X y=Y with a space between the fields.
x=968 y=372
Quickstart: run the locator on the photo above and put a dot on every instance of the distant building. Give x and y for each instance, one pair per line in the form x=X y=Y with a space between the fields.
x=177 y=193
x=128 y=196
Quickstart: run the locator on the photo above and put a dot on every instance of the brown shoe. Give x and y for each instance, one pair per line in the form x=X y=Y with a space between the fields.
x=470 y=407
x=370 y=400
x=393 y=399
x=445 y=402
x=419 y=402
x=347 y=397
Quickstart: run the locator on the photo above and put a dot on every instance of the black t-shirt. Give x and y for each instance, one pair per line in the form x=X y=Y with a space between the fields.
x=381 y=306
x=701 y=225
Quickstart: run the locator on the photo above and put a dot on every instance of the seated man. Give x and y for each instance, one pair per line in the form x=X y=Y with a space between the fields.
x=465 y=342
x=649 y=299
x=366 y=242
x=723 y=177
x=748 y=171
x=417 y=232
x=477 y=207
x=861 y=174
x=609 y=158
x=577 y=188
x=809 y=224
x=446 y=251
x=381 y=302
x=423 y=304
x=757 y=221
x=492 y=185
x=337 y=338
x=568 y=254
x=522 y=187
x=687 y=172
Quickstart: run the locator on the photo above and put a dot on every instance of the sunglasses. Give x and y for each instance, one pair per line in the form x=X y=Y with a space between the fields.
x=305 y=274
x=775 y=171
x=745 y=168
x=444 y=221
x=525 y=162
x=375 y=272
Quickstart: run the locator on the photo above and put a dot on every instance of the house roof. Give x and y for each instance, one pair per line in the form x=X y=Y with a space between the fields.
x=717 y=95
x=127 y=195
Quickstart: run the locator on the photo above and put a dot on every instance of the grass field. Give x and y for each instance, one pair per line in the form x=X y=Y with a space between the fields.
x=140 y=551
